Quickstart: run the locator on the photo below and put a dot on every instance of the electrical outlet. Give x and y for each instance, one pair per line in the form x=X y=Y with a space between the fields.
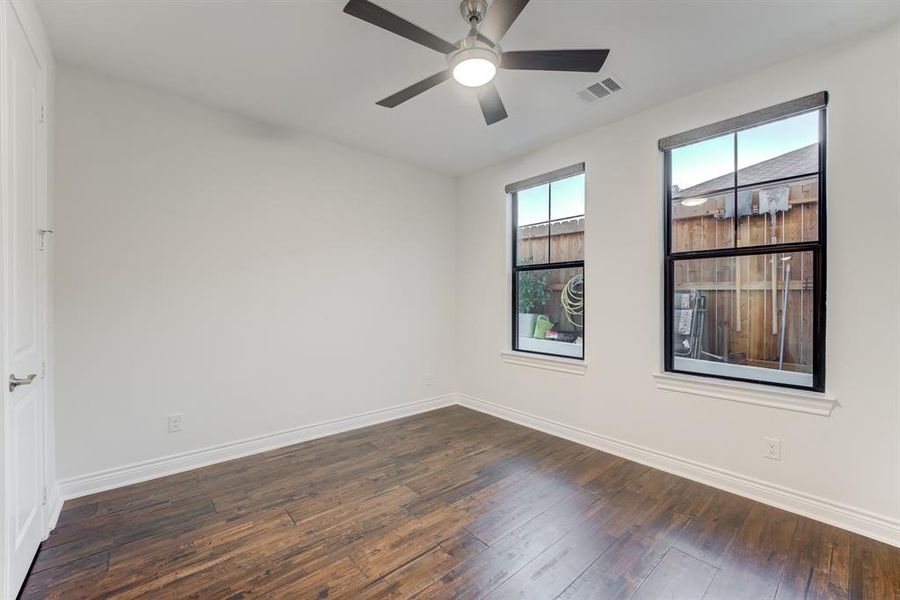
x=429 y=380
x=175 y=423
x=771 y=448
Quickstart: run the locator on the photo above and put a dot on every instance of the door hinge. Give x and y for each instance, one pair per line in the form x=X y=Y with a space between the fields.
x=43 y=233
x=45 y=495
x=42 y=114
x=43 y=368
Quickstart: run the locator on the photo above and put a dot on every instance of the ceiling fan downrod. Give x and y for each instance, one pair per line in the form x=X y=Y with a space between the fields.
x=473 y=11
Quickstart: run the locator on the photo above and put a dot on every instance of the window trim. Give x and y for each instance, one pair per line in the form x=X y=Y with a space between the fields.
x=812 y=103
x=755 y=118
x=512 y=190
x=562 y=173
x=768 y=395
x=549 y=362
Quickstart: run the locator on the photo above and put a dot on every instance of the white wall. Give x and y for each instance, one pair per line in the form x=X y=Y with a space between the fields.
x=255 y=279
x=851 y=457
x=248 y=277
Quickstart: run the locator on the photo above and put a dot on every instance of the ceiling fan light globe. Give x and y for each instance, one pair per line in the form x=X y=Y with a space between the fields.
x=474 y=66
x=474 y=72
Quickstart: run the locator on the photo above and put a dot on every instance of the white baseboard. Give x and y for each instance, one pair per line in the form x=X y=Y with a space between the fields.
x=878 y=527
x=138 y=472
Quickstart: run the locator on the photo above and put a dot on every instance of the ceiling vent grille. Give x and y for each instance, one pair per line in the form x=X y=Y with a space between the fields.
x=611 y=84
x=600 y=90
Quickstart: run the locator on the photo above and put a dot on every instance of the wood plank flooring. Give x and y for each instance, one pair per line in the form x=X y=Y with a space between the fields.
x=447 y=504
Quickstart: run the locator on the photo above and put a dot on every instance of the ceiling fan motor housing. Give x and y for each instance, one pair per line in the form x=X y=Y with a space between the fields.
x=472 y=47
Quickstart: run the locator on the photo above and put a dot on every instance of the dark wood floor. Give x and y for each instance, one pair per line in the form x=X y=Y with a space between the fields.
x=448 y=504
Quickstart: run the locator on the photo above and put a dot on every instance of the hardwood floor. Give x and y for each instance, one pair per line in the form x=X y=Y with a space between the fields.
x=448 y=504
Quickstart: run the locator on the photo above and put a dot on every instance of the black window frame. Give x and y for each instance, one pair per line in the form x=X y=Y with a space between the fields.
x=513 y=189
x=813 y=103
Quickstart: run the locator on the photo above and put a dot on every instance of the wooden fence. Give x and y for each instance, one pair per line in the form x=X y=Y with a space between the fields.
x=742 y=317
x=566 y=243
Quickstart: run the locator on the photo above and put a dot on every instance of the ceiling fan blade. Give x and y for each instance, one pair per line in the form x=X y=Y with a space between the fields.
x=500 y=16
x=374 y=14
x=491 y=104
x=414 y=90
x=589 y=61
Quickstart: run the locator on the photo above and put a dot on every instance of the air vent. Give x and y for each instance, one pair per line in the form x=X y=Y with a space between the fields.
x=611 y=84
x=598 y=90
x=587 y=97
x=595 y=92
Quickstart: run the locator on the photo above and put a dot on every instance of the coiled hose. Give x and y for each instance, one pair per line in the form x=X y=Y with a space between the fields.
x=572 y=299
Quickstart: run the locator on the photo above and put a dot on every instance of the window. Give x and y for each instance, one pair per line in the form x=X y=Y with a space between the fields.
x=548 y=263
x=745 y=247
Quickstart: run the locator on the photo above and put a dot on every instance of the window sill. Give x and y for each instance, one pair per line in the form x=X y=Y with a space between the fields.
x=550 y=348
x=812 y=403
x=551 y=363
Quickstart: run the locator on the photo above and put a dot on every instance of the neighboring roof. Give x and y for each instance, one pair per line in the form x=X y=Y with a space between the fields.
x=796 y=162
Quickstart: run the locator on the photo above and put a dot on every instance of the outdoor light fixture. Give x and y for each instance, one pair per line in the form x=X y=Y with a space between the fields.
x=474 y=67
x=694 y=201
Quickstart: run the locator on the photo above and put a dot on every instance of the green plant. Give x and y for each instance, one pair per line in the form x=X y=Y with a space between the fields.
x=533 y=290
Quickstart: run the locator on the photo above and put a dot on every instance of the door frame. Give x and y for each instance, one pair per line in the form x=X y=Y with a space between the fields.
x=24 y=13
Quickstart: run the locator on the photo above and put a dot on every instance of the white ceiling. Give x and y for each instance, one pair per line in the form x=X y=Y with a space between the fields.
x=305 y=64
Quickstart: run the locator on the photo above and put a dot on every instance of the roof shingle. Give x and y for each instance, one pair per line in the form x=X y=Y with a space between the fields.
x=796 y=162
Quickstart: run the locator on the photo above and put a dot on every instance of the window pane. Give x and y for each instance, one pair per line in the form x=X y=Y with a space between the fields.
x=785 y=148
x=567 y=226
x=532 y=216
x=550 y=312
x=703 y=222
x=567 y=240
x=779 y=213
x=567 y=197
x=702 y=214
x=533 y=205
x=703 y=167
x=532 y=244
x=747 y=317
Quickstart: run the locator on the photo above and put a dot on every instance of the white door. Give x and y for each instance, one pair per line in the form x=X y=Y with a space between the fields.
x=23 y=328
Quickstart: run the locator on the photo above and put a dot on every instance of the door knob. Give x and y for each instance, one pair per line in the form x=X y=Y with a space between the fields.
x=15 y=382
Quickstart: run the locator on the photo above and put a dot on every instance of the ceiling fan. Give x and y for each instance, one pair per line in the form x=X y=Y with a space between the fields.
x=473 y=61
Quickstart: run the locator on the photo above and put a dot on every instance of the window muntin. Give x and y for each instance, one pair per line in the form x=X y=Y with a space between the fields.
x=753 y=286
x=548 y=268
